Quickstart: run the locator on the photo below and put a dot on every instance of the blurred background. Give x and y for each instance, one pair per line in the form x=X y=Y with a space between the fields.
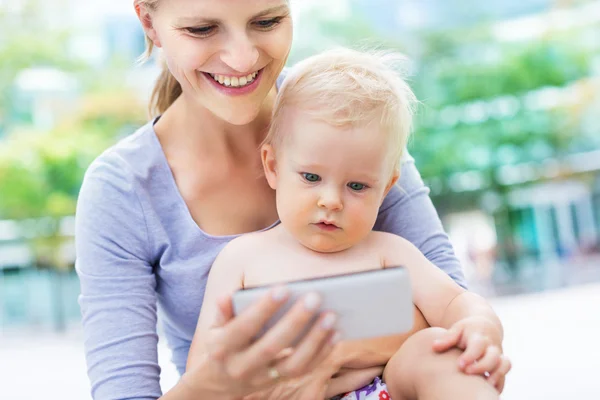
x=507 y=139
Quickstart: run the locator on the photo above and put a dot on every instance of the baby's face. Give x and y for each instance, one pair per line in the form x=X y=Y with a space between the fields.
x=330 y=181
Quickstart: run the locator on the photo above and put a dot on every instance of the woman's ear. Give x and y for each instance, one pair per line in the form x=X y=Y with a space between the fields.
x=145 y=18
x=269 y=162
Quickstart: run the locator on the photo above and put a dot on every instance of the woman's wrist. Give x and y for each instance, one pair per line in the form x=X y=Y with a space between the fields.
x=200 y=386
x=197 y=390
x=180 y=392
x=196 y=386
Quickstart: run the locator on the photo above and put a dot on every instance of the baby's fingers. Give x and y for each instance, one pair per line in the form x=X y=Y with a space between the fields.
x=476 y=347
x=488 y=363
x=496 y=379
x=450 y=339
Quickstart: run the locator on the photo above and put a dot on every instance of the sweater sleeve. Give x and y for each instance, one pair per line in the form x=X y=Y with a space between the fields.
x=407 y=211
x=118 y=285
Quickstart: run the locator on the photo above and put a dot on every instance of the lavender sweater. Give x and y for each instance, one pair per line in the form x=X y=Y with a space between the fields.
x=141 y=258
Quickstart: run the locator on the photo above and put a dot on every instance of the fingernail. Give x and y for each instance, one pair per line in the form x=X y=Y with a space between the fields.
x=280 y=292
x=311 y=301
x=328 y=321
x=335 y=338
x=461 y=363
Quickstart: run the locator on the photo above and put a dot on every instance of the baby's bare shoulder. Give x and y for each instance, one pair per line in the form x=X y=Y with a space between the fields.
x=246 y=245
x=385 y=241
x=393 y=249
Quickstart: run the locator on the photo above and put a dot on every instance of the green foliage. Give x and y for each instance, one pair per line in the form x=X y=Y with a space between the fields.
x=41 y=172
x=514 y=70
x=22 y=48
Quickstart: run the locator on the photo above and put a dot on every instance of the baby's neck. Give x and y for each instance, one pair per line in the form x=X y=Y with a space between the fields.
x=291 y=241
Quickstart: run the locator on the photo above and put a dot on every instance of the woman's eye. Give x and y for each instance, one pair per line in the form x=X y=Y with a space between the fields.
x=201 y=31
x=311 y=177
x=356 y=186
x=268 y=23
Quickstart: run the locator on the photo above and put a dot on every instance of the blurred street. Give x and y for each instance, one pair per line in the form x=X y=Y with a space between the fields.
x=551 y=337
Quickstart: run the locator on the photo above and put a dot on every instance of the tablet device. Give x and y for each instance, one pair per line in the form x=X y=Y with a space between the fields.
x=367 y=304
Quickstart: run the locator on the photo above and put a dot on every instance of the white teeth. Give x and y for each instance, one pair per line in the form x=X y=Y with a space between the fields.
x=233 y=81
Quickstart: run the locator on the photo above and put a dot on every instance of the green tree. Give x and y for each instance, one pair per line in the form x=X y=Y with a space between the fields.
x=41 y=172
x=25 y=43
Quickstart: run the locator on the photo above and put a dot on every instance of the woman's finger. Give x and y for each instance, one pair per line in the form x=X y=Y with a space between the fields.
x=281 y=336
x=311 y=347
x=488 y=363
x=240 y=331
x=476 y=346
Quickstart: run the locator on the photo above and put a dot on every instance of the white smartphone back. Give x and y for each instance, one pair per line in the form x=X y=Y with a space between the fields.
x=368 y=304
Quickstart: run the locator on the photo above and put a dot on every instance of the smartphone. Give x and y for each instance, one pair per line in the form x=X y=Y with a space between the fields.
x=367 y=304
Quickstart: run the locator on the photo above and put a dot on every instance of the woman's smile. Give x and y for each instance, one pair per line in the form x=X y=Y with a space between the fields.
x=233 y=85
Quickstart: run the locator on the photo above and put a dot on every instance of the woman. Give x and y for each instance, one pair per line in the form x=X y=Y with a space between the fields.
x=155 y=210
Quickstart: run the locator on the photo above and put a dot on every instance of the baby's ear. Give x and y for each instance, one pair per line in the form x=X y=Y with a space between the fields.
x=391 y=183
x=269 y=162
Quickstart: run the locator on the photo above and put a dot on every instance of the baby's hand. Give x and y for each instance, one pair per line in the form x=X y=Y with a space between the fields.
x=482 y=344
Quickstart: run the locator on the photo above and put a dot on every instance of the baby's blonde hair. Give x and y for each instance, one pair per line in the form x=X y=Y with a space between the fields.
x=349 y=88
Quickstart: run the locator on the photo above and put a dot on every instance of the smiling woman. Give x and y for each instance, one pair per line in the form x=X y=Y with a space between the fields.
x=156 y=209
x=220 y=42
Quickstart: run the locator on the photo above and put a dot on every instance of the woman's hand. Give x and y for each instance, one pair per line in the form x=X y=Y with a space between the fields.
x=325 y=381
x=231 y=364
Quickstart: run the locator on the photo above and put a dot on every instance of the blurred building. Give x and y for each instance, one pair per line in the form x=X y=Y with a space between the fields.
x=551 y=207
x=100 y=35
x=394 y=16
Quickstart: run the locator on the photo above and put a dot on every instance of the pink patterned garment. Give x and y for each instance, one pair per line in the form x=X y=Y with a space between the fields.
x=375 y=391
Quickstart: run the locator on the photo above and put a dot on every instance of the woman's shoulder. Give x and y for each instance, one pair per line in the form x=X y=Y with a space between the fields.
x=133 y=157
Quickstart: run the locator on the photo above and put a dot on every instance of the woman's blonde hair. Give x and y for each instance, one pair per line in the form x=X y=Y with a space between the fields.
x=349 y=88
x=166 y=89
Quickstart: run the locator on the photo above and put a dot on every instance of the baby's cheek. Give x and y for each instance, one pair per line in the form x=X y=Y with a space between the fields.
x=364 y=215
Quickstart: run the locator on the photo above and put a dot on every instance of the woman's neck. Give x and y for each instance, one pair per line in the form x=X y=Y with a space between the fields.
x=186 y=125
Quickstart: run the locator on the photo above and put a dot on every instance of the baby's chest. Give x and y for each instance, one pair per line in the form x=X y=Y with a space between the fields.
x=292 y=268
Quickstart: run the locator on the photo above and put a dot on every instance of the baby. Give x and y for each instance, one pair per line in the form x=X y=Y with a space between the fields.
x=333 y=151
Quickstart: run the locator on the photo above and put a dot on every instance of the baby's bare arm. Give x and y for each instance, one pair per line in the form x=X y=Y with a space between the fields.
x=442 y=301
x=225 y=277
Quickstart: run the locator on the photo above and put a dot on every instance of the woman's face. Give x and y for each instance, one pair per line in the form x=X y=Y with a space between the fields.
x=226 y=54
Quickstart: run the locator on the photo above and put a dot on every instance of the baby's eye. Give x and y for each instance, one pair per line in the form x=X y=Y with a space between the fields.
x=357 y=186
x=311 y=177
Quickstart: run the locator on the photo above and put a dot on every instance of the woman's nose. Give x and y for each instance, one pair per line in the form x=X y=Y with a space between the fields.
x=240 y=54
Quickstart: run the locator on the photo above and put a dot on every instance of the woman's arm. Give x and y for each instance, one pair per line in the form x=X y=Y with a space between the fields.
x=408 y=211
x=118 y=300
